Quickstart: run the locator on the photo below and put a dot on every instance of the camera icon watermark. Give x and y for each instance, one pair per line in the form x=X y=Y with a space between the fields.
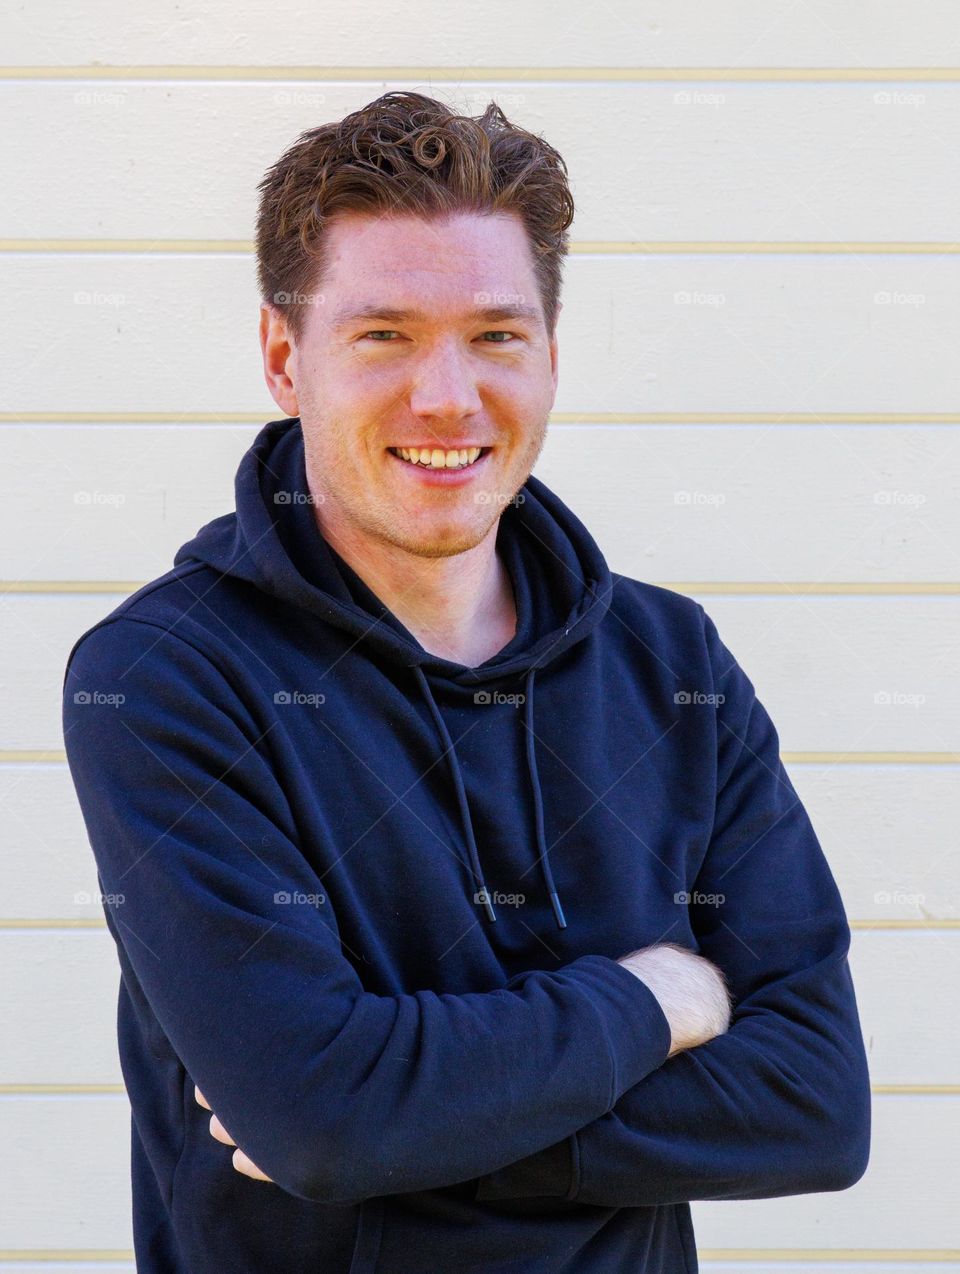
x=697 y=696
x=310 y=699
x=287 y=897
x=99 y=697
x=498 y=696
x=695 y=898
x=483 y=896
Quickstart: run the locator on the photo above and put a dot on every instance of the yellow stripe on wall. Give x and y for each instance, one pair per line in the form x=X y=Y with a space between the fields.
x=22 y=756
x=731 y=588
x=480 y=74
x=134 y=417
x=588 y=247
x=809 y=1255
x=886 y=1090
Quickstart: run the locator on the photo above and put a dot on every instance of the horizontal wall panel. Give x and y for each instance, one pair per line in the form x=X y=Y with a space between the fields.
x=65 y=1171
x=60 y=1009
x=903 y=1201
x=855 y=669
x=888 y=831
x=889 y=834
x=835 y=673
x=906 y=982
x=50 y=869
x=81 y=1266
x=868 y=1265
x=498 y=34
x=684 y=333
x=112 y=502
x=673 y=502
x=914 y=1142
x=675 y=160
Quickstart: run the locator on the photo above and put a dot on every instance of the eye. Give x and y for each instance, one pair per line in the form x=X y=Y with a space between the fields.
x=376 y=334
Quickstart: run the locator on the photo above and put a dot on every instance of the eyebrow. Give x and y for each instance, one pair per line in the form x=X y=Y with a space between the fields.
x=490 y=314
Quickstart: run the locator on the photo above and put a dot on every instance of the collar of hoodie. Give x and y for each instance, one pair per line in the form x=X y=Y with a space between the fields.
x=272 y=541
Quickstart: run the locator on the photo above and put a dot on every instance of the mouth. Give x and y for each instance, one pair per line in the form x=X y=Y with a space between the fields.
x=440 y=459
x=457 y=468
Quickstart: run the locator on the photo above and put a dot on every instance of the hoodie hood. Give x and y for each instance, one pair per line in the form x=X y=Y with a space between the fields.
x=561 y=581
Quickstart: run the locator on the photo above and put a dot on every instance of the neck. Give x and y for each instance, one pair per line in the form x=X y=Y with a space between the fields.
x=460 y=607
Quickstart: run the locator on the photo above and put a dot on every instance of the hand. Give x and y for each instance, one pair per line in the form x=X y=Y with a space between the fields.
x=217 y=1130
x=690 y=989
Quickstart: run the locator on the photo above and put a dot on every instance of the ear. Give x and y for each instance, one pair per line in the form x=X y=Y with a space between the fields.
x=554 y=352
x=279 y=359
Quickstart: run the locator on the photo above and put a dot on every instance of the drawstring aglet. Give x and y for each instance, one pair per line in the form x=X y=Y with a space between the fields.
x=483 y=895
x=558 y=911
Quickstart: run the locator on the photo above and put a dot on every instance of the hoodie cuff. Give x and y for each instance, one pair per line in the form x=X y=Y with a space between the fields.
x=631 y=1021
x=551 y=1172
x=638 y=1037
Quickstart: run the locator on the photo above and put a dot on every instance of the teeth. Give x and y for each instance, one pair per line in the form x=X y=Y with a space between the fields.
x=435 y=458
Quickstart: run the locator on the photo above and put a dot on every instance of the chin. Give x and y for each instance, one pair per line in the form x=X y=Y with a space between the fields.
x=439 y=544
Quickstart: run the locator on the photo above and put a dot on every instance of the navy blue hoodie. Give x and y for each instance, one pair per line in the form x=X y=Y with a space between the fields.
x=371 y=902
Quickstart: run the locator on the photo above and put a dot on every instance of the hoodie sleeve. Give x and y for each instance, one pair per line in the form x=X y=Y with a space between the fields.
x=336 y=1093
x=779 y=1104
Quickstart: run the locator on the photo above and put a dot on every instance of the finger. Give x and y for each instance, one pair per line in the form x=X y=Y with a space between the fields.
x=201 y=1100
x=218 y=1131
x=248 y=1167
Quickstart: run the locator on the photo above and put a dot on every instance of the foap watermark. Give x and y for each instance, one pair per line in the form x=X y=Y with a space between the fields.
x=898 y=698
x=298 y=497
x=285 y=897
x=900 y=499
x=479 y=101
x=84 y=297
x=99 y=698
x=499 y=298
x=309 y=698
x=694 y=898
x=896 y=897
x=483 y=896
x=98 y=97
x=896 y=97
x=711 y=299
x=697 y=97
x=298 y=298
x=697 y=696
x=706 y=499
x=915 y=299
x=498 y=497
x=296 y=97
x=498 y=696
x=90 y=499
x=83 y=898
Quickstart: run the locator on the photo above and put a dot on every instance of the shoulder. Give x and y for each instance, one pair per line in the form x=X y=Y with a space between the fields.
x=185 y=607
x=161 y=623
x=663 y=613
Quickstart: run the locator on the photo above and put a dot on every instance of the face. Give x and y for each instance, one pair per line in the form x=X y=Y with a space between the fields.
x=426 y=334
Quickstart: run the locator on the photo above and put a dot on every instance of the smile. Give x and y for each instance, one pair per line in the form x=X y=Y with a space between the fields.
x=438 y=457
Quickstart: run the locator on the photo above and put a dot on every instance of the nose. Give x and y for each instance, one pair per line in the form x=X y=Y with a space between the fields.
x=445 y=384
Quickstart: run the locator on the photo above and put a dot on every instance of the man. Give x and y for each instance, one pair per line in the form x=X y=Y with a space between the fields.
x=443 y=850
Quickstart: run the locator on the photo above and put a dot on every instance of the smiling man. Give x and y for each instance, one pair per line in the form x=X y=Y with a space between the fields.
x=466 y=915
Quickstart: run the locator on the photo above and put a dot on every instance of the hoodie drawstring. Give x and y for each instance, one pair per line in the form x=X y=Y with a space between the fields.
x=538 y=807
x=482 y=893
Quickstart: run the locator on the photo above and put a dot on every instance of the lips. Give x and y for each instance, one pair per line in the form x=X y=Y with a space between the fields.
x=439 y=459
x=440 y=475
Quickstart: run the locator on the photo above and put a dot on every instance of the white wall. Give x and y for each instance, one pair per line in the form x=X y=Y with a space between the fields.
x=784 y=447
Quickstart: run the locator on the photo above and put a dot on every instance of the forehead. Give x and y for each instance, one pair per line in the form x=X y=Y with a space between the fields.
x=475 y=249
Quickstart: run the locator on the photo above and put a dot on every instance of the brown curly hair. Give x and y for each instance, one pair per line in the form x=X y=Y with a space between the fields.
x=407 y=154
